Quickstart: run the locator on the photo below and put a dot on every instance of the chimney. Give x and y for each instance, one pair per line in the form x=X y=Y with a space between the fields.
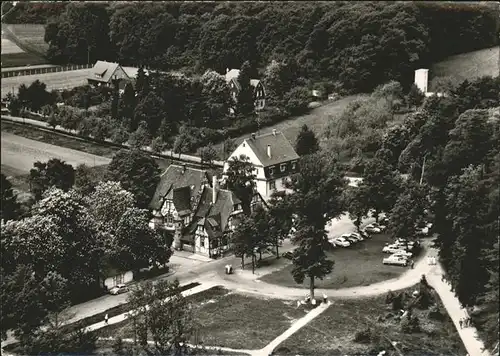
x=253 y=136
x=214 y=189
x=274 y=132
x=269 y=151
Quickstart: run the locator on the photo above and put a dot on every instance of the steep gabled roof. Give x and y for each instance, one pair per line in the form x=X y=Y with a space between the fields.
x=233 y=75
x=181 y=198
x=219 y=212
x=281 y=149
x=175 y=177
x=105 y=70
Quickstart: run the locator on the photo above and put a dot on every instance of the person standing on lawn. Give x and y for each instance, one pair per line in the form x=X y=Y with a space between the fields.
x=106 y=319
x=412 y=264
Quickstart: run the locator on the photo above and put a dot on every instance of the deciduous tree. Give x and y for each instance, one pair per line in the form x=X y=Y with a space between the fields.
x=9 y=207
x=241 y=179
x=140 y=137
x=208 y=154
x=409 y=210
x=54 y=172
x=137 y=172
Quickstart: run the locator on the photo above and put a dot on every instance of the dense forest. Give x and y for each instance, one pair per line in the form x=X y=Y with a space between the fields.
x=358 y=44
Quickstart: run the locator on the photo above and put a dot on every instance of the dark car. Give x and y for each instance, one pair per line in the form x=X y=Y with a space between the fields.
x=288 y=255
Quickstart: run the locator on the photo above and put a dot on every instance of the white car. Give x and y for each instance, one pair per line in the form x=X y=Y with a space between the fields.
x=118 y=289
x=396 y=249
x=381 y=227
x=356 y=236
x=395 y=260
x=372 y=229
x=340 y=241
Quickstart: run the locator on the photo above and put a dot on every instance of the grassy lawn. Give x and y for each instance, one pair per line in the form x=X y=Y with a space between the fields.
x=22 y=59
x=230 y=320
x=29 y=36
x=333 y=332
x=59 y=140
x=315 y=120
x=357 y=265
x=470 y=65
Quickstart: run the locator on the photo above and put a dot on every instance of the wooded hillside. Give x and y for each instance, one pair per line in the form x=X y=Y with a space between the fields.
x=360 y=44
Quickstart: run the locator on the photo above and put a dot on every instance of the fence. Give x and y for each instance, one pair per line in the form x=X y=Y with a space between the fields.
x=43 y=70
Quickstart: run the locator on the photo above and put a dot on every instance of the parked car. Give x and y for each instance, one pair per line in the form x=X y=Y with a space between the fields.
x=357 y=236
x=380 y=226
x=395 y=260
x=396 y=249
x=384 y=221
x=365 y=234
x=351 y=238
x=340 y=241
x=118 y=289
x=288 y=255
x=372 y=229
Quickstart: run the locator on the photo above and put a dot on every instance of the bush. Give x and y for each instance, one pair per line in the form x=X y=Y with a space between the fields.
x=410 y=323
x=435 y=313
x=398 y=301
x=363 y=336
x=389 y=297
x=297 y=100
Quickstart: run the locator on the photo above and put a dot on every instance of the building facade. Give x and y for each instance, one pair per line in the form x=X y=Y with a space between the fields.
x=234 y=88
x=273 y=158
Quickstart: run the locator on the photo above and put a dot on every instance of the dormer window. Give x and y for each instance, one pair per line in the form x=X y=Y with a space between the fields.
x=294 y=165
x=282 y=167
x=271 y=171
x=98 y=75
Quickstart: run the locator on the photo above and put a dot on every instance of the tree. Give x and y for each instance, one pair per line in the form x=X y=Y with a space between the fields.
x=54 y=172
x=150 y=109
x=246 y=238
x=241 y=179
x=297 y=100
x=358 y=205
x=245 y=99
x=53 y=120
x=409 y=210
x=306 y=142
x=108 y=203
x=84 y=180
x=277 y=80
x=141 y=137
x=415 y=97
x=127 y=103
x=9 y=207
x=142 y=83
x=279 y=220
x=119 y=135
x=157 y=146
x=381 y=184
x=216 y=94
x=208 y=154
x=317 y=198
x=163 y=313
x=30 y=300
x=137 y=172
x=392 y=92
x=229 y=147
x=137 y=245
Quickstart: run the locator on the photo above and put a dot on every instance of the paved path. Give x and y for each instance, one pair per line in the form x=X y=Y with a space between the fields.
x=296 y=326
x=469 y=336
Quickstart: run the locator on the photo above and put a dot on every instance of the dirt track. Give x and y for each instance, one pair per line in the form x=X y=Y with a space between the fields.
x=20 y=153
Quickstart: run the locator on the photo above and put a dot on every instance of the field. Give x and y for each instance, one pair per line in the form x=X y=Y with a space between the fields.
x=315 y=120
x=235 y=327
x=484 y=62
x=333 y=332
x=23 y=45
x=357 y=265
x=20 y=153
x=59 y=80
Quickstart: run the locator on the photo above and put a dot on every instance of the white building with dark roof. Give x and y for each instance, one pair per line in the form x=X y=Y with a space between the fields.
x=274 y=159
x=234 y=88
